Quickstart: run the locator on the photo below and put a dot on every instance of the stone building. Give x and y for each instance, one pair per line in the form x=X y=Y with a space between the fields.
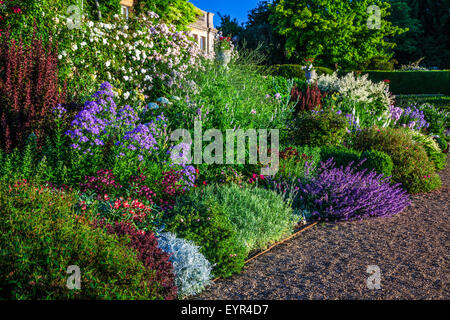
x=202 y=30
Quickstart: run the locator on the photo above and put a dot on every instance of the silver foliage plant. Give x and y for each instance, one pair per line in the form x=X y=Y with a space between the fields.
x=192 y=270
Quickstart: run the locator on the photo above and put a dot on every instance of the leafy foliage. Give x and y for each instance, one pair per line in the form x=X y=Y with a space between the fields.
x=378 y=161
x=311 y=31
x=412 y=167
x=207 y=226
x=41 y=237
x=319 y=128
x=342 y=156
x=178 y=12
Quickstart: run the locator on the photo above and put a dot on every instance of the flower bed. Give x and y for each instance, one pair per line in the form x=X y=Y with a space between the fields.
x=110 y=187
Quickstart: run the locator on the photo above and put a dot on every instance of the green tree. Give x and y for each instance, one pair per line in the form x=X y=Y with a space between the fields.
x=260 y=31
x=333 y=32
x=434 y=41
x=408 y=43
x=229 y=27
x=178 y=12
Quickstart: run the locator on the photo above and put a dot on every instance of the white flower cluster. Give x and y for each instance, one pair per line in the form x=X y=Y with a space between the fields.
x=358 y=88
x=134 y=55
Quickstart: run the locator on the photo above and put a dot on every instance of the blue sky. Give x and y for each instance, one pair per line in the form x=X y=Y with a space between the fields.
x=235 y=8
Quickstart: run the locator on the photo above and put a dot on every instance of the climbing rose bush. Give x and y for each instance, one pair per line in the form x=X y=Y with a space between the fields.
x=348 y=194
x=141 y=57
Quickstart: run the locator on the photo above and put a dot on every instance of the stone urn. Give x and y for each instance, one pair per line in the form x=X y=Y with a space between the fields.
x=310 y=75
x=223 y=57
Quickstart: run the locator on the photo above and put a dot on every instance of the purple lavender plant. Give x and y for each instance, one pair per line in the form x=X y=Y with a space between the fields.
x=347 y=194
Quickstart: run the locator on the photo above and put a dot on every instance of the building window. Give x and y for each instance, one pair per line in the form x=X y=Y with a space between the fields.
x=203 y=43
x=125 y=11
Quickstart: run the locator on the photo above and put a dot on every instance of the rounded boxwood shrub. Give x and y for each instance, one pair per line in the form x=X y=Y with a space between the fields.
x=341 y=156
x=317 y=129
x=378 y=161
x=443 y=144
x=432 y=148
x=291 y=71
x=412 y=167
x=41 y=238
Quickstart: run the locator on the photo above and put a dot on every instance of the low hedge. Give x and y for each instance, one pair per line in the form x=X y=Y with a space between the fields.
x=414 y=82
x=440 y=101
x=290 y=71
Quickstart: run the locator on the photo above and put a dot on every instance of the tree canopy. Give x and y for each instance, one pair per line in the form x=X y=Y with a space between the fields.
x=428 y=36
x=333 y=32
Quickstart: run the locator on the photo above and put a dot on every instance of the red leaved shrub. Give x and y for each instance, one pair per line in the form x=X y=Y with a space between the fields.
x=146 y=244
x=310 y=100
x=29 y=89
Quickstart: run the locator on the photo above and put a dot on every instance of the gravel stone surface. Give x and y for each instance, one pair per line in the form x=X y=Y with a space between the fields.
x=330 y=261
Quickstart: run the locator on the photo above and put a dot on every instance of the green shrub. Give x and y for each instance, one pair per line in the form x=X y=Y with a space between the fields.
x=380 y=63
x=432 y=148
x=236 y=97
x=245 y=218
x=438 y=100
x=439 y=159
x=319 y=129
x=41 y=238
x=414 y=82
x=412 y=167
x=378 y=161
x=289 y=71
x=206 y=224
x=293 y=161
x=341 y=156
x=437 y=118
x=443 y=144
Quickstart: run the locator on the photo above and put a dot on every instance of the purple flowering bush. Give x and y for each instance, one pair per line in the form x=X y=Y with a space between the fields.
x=410 y=117
x=123 y=140
x=347 y=194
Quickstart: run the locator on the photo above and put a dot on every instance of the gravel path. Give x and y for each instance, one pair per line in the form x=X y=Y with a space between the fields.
x=330 y=261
